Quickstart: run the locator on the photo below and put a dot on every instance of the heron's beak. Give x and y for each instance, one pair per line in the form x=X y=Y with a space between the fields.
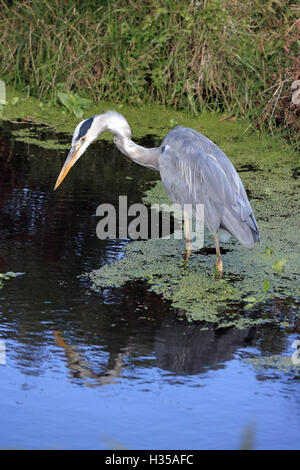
x=73 y=156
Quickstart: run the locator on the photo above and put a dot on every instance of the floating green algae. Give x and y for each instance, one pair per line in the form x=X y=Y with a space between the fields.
x=155 y=120
x=275 y=362
x=149 y=119
x=195 y=289
x=26 y=136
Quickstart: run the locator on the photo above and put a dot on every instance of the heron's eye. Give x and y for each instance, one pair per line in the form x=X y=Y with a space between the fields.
x=82 y=139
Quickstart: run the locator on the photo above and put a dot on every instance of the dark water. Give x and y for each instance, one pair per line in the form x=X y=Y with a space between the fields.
x=120 y=369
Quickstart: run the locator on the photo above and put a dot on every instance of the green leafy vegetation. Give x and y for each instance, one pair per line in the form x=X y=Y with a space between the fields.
x=279 y=265
x=6 y=276
x=252 y=301
x=236 y=57
x=74 y=103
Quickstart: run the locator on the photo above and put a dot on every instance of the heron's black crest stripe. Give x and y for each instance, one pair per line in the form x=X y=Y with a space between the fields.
x=85 y=127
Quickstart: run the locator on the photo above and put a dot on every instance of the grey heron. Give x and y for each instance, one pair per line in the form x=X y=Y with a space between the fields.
x=193 y=170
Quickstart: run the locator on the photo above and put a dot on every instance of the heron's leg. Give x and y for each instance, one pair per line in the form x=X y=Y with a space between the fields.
x=219 y=262
x=187 y=234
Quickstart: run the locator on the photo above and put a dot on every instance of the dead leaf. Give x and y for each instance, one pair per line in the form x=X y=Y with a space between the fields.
x=225 y=118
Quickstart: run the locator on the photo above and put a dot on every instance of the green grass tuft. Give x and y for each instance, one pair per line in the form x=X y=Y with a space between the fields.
x=226 y=55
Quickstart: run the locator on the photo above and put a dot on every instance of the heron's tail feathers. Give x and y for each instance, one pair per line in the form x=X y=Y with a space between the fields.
x=245 y=231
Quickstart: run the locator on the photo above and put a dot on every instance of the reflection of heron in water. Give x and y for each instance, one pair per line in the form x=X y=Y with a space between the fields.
x=193 y=171
x=179 y=348
x=82 y=369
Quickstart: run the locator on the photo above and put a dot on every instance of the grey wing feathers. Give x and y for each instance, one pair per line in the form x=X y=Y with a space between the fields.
x=194 y=170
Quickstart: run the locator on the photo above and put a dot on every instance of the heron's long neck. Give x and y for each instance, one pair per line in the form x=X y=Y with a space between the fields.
x=137 y=153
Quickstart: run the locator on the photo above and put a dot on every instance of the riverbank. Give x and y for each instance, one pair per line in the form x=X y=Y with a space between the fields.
x=227 y=56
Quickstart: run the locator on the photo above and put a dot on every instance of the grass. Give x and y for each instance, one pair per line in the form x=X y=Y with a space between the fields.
x=226 y=55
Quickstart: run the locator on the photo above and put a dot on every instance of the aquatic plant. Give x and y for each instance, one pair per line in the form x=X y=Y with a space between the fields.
x=279 y=265
x=74 y=103
x=252 y=301
x=4 y=277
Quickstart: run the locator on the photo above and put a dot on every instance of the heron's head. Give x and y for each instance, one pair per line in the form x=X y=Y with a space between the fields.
x=87 y=131
x=82 y=137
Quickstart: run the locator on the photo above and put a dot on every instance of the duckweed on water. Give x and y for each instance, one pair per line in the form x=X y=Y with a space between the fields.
x=26 y=136
x=275 y=363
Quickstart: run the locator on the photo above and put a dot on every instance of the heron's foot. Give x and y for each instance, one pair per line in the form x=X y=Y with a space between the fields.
x=219 y=266
x=188 y=249
x=186 y=256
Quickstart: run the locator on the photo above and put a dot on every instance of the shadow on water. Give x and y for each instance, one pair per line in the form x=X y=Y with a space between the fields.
x=54 y=322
